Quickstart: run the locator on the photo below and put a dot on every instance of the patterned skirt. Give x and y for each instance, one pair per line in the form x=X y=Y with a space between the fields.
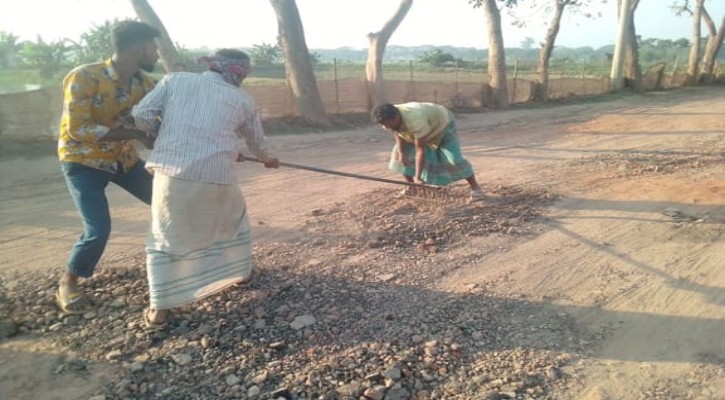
x=200 y=241
x=443 y=165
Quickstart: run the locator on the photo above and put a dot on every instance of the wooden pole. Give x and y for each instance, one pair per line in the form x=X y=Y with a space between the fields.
x=513 y=81
x=412 y=85
x=337 y=86
x=345 y=174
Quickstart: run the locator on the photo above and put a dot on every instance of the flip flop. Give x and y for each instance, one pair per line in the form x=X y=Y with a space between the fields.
x=150 y=325
x=476 y=195
x=73 y=303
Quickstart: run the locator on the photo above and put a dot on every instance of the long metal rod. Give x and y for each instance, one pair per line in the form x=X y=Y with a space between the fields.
x=346 y=174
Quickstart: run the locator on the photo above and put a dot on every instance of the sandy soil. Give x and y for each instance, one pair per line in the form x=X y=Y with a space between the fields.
x=633 y=249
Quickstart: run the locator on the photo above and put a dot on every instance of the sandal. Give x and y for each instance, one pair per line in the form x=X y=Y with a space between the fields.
x=73 y=303
x=476 y=195
x=150 y=325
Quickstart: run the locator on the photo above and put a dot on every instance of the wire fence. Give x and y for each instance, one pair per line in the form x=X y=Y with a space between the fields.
x=343 y=90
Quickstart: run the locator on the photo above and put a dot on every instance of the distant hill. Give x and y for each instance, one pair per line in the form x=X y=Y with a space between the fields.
x=651 y=50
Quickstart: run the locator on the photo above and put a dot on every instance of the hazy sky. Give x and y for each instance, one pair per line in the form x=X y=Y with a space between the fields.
x=335 y=23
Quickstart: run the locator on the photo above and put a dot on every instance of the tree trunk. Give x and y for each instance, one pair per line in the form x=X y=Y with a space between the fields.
x=298 y=66
x=626 y=70
x=620 y=44
x=376 y=48
x=693 y=65
x=714 y=43
x=167 y=51
x=542 y=90
x=632 y=70
x=496 y=56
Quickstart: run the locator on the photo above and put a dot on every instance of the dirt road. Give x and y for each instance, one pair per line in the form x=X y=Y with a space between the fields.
x=634 y=249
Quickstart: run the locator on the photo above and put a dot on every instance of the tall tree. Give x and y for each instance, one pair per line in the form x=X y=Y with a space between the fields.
x=715 y=39
x=298 y=66
x=376 y=49
x=625 y=61
x=712 y=48
x=632 y=68
x=167 y=50
x=496 y=54
x=547 y=47
x=693 y=64
x=556 y=8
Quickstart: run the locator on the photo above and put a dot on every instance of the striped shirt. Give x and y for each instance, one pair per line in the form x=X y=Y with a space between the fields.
x=197 y=120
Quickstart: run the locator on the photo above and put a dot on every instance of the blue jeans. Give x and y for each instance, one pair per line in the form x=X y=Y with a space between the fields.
x=88 y=188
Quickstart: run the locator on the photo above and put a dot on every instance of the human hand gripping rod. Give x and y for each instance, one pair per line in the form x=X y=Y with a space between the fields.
x=346 y=174
x=338 y=173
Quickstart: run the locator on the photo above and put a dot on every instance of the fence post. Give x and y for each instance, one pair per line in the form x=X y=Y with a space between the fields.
x=412 y=85
x=456 y=78
x=337 y=86
x=513 y=82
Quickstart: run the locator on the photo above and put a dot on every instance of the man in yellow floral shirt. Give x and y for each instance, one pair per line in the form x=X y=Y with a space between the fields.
x=94 y=145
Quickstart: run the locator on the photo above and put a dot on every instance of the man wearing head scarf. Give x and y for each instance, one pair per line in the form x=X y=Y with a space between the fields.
x=200 y=237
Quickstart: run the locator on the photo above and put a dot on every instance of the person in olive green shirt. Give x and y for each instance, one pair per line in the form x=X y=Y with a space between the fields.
x=94 y=146
x=426 y=148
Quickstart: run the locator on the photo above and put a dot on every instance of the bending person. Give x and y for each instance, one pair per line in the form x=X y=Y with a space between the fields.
x=426 y=145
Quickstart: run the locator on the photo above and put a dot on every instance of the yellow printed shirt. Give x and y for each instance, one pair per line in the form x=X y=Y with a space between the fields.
x=96 y=100
x=425 y=121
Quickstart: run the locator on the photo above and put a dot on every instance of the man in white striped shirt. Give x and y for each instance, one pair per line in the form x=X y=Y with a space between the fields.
x=200 y=237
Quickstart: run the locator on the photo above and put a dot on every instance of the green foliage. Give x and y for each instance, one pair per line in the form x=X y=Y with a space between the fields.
x=681 y=43
x=437 y=58
x=652 y=50
x=188 y=58
x=48 y=58
x=528 y=43
x=265 y=54
x=95 y=44
x=314 y=58
x=9 y=49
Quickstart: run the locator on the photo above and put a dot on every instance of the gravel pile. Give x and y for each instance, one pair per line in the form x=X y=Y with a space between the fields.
x=432 y=220
x=350 y=313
